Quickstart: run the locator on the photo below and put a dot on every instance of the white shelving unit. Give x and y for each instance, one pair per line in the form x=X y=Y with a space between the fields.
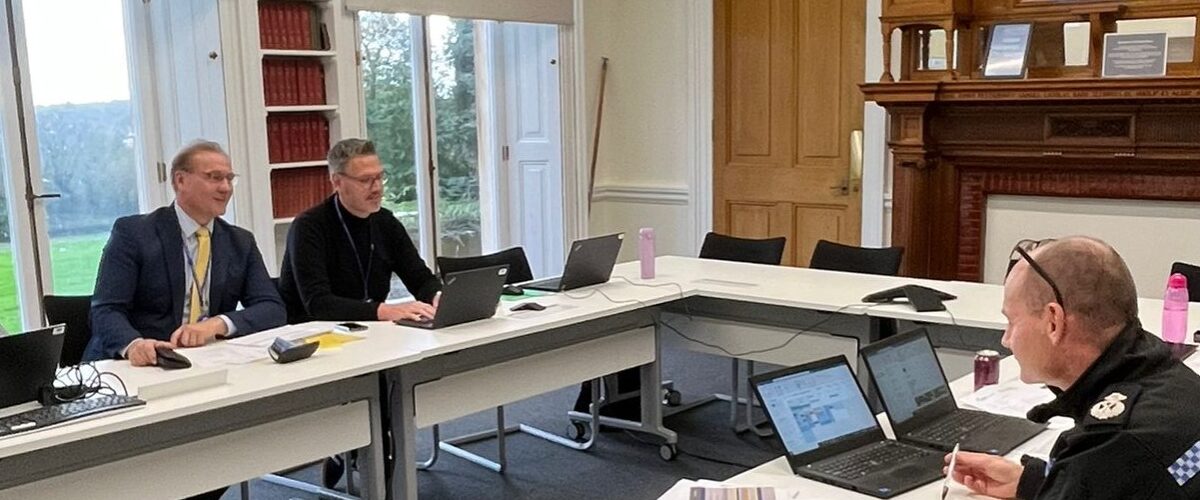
x=245 y=92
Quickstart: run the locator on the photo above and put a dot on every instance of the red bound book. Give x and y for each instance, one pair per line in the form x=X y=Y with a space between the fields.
x=272 y=142
x=295 y=41
x=305 y=25
x=276 y=30
x=319 y=79
x=270 y=83
x=304 y=81
x=313 y=144
x=262 y=26
x=289 y=83
x=287 y=139
x=324 y=136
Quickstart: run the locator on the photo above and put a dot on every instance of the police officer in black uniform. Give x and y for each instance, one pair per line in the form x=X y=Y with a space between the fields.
x=1072 y=313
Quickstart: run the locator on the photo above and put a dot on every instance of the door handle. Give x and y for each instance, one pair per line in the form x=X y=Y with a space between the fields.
x=44 y=196
x=852 y=182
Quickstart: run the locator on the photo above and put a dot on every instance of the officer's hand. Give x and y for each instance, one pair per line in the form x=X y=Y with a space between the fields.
x=198 y=334
x=414 y=310
x=141 y=352
x=986 y=474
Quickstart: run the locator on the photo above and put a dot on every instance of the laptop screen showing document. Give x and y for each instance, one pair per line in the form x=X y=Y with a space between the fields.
x=910 y=379
x=817 y=408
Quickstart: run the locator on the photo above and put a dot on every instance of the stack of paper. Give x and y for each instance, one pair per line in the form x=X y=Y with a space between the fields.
x=1013 y=398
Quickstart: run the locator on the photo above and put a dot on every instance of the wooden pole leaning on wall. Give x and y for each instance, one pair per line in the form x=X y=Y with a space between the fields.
x=596 y=135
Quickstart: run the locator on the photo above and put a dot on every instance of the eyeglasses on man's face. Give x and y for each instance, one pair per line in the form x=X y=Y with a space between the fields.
x=218 y=177
x=367 y=181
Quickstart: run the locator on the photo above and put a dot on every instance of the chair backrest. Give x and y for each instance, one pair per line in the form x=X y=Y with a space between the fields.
x=72 y=311
x=518 y=264
x=1192 y=273
x=832 y=256
x=764 y=251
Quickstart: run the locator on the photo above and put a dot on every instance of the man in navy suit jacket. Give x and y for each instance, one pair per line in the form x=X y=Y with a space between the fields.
x=149 y=269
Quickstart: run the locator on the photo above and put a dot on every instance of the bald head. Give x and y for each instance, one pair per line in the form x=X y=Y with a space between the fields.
x=1094 y=281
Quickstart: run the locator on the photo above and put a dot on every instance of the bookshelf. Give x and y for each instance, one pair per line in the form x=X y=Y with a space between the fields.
x=300 y=92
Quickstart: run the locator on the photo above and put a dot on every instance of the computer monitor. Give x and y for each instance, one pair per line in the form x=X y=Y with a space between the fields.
x=28 y=361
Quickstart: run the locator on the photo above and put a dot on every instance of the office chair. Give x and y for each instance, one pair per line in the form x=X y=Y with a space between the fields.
x=1192 y=273
x=832 y=256
x=73 y=311
x=518 y=271
x=756 y=251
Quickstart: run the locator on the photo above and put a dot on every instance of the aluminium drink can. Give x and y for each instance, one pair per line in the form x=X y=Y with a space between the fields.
x=987 y=368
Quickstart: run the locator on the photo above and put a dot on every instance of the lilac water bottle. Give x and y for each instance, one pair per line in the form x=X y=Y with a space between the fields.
x=1175 y=309
x=646 y=251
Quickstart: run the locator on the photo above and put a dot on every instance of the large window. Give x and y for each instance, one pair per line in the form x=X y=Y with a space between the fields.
x=77 y=154
x=465 y=115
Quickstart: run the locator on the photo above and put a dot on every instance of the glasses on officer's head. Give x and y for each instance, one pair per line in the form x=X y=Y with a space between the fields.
x=1041 y=272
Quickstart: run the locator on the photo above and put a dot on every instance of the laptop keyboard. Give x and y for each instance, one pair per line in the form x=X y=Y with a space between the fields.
x=879 y=456
x=954 y=427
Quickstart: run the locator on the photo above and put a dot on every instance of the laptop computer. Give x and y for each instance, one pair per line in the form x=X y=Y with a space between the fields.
x=590 y=262
x=466 y=296
x=28 y=361
x=821 y=416
x=922 y=410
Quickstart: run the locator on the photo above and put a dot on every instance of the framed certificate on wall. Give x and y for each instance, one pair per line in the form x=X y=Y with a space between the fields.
x=1008 y=48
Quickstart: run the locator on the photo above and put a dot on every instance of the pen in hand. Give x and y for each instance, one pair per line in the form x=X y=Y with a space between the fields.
x=949 y=472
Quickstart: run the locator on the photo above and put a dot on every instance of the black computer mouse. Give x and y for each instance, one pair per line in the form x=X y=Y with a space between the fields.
x=512 y=290
x=528 y=306
x=168 y=359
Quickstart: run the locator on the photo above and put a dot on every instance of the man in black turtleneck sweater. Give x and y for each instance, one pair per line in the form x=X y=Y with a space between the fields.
x=1073 y=325
x=341 y=254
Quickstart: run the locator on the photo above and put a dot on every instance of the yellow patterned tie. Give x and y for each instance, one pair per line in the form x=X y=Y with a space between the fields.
x=200 y=272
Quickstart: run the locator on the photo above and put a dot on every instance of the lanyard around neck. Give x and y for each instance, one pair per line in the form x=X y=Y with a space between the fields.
x=191 y=265
x=337 y=205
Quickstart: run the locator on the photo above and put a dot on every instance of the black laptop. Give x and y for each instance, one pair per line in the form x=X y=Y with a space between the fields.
x=590 y=262
x=821 y=416
x=466 y=296
x=921 y=408
x=28 y=361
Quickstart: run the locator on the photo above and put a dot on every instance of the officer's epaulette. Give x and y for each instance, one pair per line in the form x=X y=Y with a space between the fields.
x=1114 y=406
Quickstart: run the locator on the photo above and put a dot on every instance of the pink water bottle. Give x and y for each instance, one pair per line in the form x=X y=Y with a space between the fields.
x=1175 y=309
x=646 y=251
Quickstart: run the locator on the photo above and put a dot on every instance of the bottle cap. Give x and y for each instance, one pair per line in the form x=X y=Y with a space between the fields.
x=1177 y=281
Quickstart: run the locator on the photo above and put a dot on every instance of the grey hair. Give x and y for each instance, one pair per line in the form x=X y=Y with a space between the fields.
x=348 y=149
x=182 y=160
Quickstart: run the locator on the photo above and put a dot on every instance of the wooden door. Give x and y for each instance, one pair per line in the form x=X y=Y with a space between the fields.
x=786 y=102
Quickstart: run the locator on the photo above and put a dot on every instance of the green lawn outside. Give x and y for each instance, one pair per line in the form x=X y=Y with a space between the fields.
x=74 y=260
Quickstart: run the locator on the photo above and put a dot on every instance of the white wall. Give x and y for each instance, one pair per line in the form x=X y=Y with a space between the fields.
x=646 y=154
x=1149 y=235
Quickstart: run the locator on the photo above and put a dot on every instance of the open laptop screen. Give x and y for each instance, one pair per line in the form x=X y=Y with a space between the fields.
x=816 y=408
x=909 y=377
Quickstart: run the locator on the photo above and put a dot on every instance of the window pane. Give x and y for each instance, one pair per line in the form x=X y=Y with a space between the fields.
x=387 y=77
x=452 y=69
x=10 y=313
x=85 y=130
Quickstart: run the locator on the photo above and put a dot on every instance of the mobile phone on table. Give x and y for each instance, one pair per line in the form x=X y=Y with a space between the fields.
x=351 y=326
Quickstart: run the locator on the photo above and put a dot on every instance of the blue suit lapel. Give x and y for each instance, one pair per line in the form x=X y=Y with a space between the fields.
x=171 y=238
x=216 y=274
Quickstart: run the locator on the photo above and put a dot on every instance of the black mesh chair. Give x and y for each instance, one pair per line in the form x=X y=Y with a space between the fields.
x=73 y=311
x=518 y=271
x=518 y=264
x=1192 y=273
x=832 y=256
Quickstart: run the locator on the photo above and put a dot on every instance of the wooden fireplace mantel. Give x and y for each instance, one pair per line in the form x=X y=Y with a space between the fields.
x=954 y=143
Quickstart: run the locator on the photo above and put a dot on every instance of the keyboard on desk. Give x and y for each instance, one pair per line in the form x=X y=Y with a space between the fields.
x=47 y=416
x=873 y=458
x=954 y=427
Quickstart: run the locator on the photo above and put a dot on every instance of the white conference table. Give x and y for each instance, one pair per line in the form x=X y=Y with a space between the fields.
x=777 y=473
x=440 y=375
